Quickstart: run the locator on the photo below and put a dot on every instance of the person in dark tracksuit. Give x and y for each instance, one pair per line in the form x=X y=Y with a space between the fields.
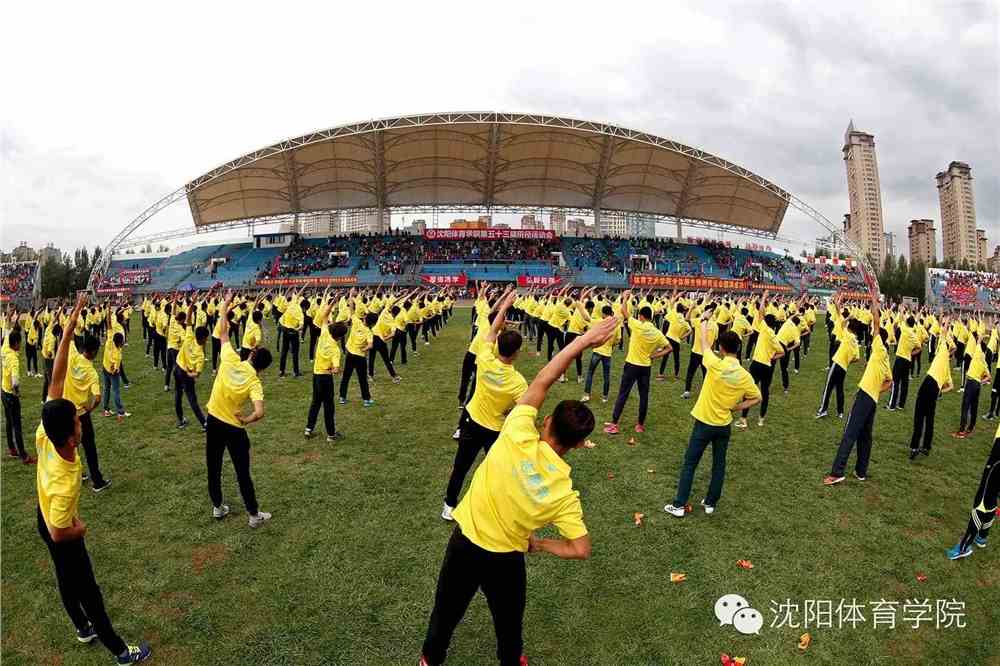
x=876 y=379
x=984 y=505
x=937 y=381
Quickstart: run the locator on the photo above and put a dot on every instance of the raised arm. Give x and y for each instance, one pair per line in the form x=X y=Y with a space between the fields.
x=62 y=353
x=224 y=318
x=501 y=315
x=554 y=369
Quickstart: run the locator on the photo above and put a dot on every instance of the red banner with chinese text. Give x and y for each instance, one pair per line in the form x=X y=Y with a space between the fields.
x=488 y=234
x=459 y=280
x=307 y=281
x=537 y=280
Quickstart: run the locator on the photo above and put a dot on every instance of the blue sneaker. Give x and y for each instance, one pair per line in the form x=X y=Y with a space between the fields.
x=955 y=553
x=133 y=654
x=86 y=635
x=981 y=541
x=369 y=403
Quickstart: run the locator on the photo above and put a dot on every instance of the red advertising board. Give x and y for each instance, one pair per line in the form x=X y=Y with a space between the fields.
x=459 y=280
x=686 y=282
x=114 y=290
x=308 y=281
x=488 y=234
x=537 y=280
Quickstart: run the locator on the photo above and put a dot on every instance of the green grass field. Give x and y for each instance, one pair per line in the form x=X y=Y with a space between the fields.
x=345 y=572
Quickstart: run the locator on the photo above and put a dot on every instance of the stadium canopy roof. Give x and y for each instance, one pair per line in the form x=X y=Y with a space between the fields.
x=489 y=160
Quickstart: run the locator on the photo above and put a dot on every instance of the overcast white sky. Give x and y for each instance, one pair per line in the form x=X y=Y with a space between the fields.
x=105 y=107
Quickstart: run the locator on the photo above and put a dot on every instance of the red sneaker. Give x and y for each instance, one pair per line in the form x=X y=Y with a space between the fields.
x=523 y=661
x=958 y=435
x=640 y=428
x=29 y=460
x=611 y=429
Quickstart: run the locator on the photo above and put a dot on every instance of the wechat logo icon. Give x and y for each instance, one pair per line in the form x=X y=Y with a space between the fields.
x=737 y=611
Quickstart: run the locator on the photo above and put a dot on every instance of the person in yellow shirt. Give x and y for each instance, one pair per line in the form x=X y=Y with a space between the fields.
x=698 y=348
x=645 y=343
x=790 y=339
x=111 y=373
x=577 y=324
x=382 y=333
x=236 y=383
x=400 y=326
x=498 y=388
x=58 y=483
x=292 y=321
x=31 y=329
x=976 y=374
x=50 y=339
x=253 y=334
x=907 y=347
x=876 y=380
x=522 y=485
x=601 y=355
x=359 y=341
x=728 y=387
x=848 y=351
x=326 y=363
x=10 y=395
x=175 y=336
x=161 y=323
x=83 y=387
x=766 y=351
x=937 y=382
x=190 y=363
x=677 y=329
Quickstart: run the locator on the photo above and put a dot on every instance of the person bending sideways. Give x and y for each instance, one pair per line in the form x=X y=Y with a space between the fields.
x=326 y=364
x=645 y=343
x=225 y=428
x=727 y=387
x=498 y=388
x=522 y=485
x=58 y=514
x=984 y=505
x=190 y=362
x=861 y=423
x=937 y=382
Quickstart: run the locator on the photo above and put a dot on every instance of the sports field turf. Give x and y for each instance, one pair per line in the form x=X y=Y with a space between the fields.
x=345 y=571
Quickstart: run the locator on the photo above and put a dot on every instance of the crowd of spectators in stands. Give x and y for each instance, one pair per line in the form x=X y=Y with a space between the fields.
x=18 y=279
x=304 y=258
x=966 y=288
x=599 y=252
x=498 y=250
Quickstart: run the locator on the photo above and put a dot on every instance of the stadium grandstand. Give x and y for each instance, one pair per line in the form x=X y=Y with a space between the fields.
x=962 y=290
x=20 y=282
x=493 y=163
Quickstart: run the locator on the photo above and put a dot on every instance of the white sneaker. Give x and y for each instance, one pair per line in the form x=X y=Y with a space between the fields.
x=579 y=380
x=259 y=519
x=446 y=513
x=677 y=511
x=585 y=398
x=457 y=434
x=709 y=509
x=220 y=512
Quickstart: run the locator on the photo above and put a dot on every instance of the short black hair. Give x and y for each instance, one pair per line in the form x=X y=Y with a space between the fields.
x=371 y=319
x=257 y=316
x=201 y=334
x=14 y=339
x=118 y=339
x=59 y=420
x=261 y=359
x=730 y=342
x=607 y=311
x=181 y=316
x=572 y=422
x=338 y=329
x=646 y=312
x=508 y=343
x=90 y=344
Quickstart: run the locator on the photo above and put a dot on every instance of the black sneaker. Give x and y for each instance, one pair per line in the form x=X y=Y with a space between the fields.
x=337 y=435
x=133 y=654
x=104 y=486
x=913 y=453
x=183 y=424
x=86 y=634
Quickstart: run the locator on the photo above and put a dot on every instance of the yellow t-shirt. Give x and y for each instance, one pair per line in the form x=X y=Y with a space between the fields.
x=678 y=328
x=978 y=370
x=498 y=388
x=49 y=345
x=252 y=335
x=940 y=369
x=236 y=382
x=81 y=380
x=877 y=371
x=848 y=351
x=191 y=357
x=57 y=481
x=11 y=369
x=292 y=317
x=644 y=339
x=908 y=342
x=560 y=313
x=727 y=384
x=767 y=343
x=327 y=353
x=521 y=485
x=699 y=344
x=608 y=347
x=359 y=337
x=112 y=359
x=176 y=335
x=788 y=334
